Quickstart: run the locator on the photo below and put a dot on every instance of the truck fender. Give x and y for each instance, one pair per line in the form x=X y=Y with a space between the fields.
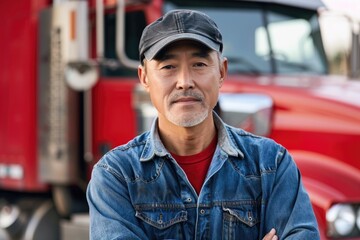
x=327 y=181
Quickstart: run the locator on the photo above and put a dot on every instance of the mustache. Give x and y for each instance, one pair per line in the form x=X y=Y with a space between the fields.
x=175 y=96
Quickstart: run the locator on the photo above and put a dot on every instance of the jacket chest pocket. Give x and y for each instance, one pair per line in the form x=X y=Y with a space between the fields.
x=240 y=223
x=163 y=222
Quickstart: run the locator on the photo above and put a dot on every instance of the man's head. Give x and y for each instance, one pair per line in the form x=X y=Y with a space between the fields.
x=182 y=67
x=179 y=25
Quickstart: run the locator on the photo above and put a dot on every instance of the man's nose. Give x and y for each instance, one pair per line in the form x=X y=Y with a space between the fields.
x=185 y=79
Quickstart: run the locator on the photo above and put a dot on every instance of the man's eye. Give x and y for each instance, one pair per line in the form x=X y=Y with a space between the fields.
x=200 y=64
x=167 y=67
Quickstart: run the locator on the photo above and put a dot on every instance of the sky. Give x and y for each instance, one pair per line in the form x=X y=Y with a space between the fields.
x=351 y=7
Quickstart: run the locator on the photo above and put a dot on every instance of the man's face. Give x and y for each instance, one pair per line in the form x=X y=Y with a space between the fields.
x=183 y=82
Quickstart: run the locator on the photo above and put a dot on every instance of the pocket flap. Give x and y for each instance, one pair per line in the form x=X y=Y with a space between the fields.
x=247 y=216
x=162 y=218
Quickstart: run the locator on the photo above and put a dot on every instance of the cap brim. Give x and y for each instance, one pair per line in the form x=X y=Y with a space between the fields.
x=151 y=52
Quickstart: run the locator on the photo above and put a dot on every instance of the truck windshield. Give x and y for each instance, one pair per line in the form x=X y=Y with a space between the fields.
x=265 y=39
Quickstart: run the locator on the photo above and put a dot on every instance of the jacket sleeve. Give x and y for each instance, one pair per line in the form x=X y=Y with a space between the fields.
x=112 y=215
x=289 y=209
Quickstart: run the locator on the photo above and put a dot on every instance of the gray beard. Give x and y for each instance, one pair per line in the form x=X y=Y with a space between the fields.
x=192 y=121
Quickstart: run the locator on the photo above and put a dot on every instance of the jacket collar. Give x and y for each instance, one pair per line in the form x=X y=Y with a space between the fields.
x=154 y=146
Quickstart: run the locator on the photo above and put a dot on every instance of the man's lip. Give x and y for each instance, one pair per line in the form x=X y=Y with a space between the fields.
x=186 y=99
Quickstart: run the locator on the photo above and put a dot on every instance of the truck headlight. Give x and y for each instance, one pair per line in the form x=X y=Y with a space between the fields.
x=341 y=220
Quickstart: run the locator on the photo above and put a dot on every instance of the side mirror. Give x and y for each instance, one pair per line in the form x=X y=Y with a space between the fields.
x=70 y=44
x=252 y=112
x=337 y=33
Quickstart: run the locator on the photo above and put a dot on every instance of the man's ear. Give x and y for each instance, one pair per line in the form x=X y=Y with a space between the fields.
x=223 y=71
x=142 y=77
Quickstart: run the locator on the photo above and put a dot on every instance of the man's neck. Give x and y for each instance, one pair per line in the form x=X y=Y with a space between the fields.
x=186 y=141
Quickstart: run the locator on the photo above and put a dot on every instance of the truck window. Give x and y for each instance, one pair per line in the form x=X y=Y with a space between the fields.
x=294 y=39
x=135 y=23
x=265 y=38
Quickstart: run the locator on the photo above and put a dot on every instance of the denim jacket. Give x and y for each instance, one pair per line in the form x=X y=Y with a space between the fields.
x=138 y=191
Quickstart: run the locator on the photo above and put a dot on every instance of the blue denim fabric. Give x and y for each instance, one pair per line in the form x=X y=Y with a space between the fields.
x=138 y=191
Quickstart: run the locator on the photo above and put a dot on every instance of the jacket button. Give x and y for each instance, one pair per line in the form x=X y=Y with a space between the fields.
x=202 y=211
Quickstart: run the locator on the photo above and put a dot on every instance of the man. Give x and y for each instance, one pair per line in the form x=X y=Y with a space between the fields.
x=192 y=176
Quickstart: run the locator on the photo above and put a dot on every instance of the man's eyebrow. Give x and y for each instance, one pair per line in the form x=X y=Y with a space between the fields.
x=201 y=54
x=163 y=56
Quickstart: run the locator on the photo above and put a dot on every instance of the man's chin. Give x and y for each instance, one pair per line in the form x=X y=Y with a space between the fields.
x=189 y=119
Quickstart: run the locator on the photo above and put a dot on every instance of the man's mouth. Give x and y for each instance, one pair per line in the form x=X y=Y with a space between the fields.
x=186 y=100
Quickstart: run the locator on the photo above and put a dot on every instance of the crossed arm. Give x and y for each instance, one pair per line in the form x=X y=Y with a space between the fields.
x=299 y=224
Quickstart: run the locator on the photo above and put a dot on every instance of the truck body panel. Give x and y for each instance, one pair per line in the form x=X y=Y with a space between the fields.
x=18 y=84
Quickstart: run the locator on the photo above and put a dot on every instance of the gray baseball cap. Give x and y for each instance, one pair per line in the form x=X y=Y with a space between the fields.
x=179 y=25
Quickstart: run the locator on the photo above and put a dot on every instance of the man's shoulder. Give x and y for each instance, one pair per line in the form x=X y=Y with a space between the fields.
x=246 y=140
x=135 y=143
x=126 y=154
x=245 y=135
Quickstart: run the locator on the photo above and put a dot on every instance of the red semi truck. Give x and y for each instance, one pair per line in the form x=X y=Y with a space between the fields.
x=69 y=93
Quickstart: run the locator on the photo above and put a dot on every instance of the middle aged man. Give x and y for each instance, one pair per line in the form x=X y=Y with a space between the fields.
x=192 y=176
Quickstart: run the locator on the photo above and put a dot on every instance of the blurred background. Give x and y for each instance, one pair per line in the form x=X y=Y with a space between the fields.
x=69 y=93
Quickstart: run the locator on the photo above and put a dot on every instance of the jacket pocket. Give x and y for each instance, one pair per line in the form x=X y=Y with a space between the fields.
x=163 y=222
x=240 y=223
x=162 y=219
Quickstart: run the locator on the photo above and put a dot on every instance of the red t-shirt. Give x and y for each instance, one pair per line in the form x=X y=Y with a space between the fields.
x=196 y=166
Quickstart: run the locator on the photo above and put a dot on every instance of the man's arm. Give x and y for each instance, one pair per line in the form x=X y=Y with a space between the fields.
x=112 y=215
x=289 y=209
